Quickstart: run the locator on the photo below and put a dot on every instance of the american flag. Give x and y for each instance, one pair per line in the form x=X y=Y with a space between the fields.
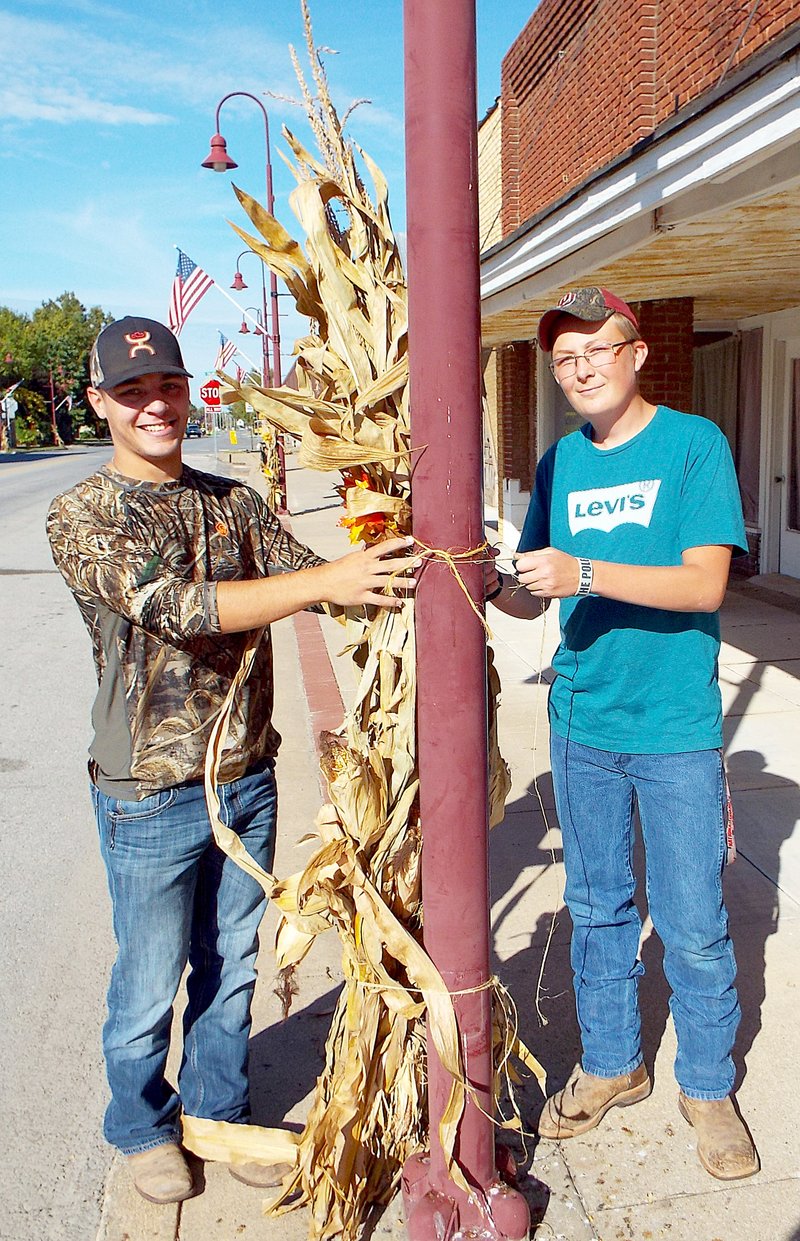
x=226 y=350
x=189 y=285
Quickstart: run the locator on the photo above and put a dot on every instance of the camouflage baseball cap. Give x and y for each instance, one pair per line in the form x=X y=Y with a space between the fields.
x=131 y=347
x=592 y=304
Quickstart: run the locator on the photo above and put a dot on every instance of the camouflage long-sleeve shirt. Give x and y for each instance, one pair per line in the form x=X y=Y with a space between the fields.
x=142 y=560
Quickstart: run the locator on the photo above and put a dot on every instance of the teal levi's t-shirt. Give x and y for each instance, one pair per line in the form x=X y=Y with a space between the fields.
x=633 y=679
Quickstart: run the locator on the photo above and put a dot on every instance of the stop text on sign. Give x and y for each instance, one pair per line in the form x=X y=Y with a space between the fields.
x=209 y=393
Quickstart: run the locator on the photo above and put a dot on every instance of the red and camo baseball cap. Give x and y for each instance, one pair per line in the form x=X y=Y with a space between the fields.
x=131 y=347
x=592 y=304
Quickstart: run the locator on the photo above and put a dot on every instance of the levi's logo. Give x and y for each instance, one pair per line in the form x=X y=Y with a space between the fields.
x=605 y=508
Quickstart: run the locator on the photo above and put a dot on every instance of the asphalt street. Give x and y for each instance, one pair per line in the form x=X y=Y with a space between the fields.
x=54 y=910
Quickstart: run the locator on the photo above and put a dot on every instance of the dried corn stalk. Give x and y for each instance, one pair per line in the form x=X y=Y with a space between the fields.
x=270 y=465
x=350 y=412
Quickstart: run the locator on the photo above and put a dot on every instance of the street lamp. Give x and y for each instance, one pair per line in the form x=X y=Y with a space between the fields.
x=238 y=282
x=261 y=331
x=219 y=160
x=240 y=285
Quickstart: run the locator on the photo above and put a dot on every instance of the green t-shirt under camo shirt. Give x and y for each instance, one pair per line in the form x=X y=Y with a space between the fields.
x=142 y=560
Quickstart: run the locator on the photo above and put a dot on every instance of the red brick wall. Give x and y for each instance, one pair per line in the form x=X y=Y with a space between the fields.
x=668 y=328
x=587 y=79
x=517 y=412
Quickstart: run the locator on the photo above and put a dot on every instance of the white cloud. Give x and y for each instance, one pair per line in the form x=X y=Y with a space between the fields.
x=368 y=116
x=65 y=72
x=63 y=106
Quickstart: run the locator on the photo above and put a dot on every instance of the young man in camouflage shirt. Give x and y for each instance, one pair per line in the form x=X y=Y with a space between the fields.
x=170 y=569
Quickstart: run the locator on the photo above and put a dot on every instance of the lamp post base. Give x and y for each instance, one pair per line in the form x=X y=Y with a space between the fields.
x=434 y=1212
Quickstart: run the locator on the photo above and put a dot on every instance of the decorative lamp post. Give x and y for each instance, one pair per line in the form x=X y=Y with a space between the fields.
x=261 y=331
x=445 y=381
x=240 y=285
x=219 y=160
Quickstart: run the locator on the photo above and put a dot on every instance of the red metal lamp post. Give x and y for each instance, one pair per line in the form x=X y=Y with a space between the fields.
x=264 y=334
x=238 y=279
x=239 y=285
x=219 y=160
x=445 y=385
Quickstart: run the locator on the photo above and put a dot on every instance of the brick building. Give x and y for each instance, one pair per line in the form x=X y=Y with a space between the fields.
x=653 y=148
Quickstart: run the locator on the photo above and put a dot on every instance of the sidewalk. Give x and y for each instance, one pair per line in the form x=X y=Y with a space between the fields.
x=636 y=1177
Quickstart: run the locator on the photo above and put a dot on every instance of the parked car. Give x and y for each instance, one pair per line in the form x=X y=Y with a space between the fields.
x=193 y=429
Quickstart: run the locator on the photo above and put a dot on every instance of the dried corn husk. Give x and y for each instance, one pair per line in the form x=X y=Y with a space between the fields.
x=351 y=413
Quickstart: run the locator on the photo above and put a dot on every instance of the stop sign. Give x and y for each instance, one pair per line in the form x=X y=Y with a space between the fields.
x=209 y=393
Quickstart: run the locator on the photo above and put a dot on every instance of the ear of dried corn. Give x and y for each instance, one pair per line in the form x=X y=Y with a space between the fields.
x=351 y=413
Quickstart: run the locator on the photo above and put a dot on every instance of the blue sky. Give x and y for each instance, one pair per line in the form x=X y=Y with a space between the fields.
x=106 y=112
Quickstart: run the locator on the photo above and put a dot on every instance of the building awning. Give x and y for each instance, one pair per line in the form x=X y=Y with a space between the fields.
x=708 y=207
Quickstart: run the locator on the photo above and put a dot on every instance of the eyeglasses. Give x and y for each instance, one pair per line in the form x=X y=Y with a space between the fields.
x=598 y=356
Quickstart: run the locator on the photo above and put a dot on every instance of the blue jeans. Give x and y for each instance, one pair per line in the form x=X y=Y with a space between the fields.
x=681 y=799
x=176 y=898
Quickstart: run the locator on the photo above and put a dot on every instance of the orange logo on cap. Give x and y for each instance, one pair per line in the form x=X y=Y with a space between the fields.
x=138 y=343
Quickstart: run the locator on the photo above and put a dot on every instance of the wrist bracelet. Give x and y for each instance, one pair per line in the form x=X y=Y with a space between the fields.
x=497 y=591
x=586 y=572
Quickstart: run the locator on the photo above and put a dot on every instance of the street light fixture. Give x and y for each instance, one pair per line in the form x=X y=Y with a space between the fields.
x=240 y=285
x=259 y=330
x=219 y=160
x=239 y=281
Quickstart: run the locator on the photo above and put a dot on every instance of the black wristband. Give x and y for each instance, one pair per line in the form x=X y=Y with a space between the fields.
x=495 y=593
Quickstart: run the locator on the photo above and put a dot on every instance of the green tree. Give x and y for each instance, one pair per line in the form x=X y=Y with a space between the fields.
x=33 y=423
x=49 y=352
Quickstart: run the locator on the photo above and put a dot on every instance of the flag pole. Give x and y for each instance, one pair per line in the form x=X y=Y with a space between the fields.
x=245 y=313
x=242 y=354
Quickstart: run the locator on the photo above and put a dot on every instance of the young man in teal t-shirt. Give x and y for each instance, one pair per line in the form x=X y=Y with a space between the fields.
x=632 y=524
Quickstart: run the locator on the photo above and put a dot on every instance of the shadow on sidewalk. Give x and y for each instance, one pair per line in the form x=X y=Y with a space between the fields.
x=543 y=997
x=538 y=974
x=286 y=1058
x=752 y=927
x=19 y=454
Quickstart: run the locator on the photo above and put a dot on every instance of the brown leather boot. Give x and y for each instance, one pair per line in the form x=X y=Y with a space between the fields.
x=262 y=1175
x=724 y=1147
x=585 y=1099
x=162 y=1174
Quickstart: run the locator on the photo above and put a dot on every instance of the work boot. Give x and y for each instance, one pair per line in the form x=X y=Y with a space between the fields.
x=724 y=1147
x=161 y=1174
x=262 y=1175
x=585 y=1099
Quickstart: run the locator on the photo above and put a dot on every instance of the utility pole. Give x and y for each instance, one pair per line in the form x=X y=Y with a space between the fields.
x=445 y=389
x=56 y=436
